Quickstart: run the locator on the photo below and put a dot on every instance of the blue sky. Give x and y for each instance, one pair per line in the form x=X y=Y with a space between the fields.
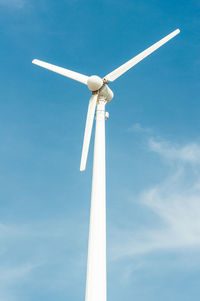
x=153 y=149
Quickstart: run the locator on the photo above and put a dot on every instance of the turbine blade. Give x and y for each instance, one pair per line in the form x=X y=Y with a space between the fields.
x=125 y=67
x=66 y=72
x=88 y=130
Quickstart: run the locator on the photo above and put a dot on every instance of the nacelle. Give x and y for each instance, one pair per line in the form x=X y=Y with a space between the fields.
x=106 y=93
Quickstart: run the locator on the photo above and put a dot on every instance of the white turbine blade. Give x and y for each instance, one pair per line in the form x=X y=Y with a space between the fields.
x=88 y=130
x=125 y=67
x=66 y=72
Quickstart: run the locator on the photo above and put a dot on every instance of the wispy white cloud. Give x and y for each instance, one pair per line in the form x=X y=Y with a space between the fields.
x=138 y=128
x=187 y=153
x=29 y=250
x=10 y=276
x=7 y=275
x=174 y=203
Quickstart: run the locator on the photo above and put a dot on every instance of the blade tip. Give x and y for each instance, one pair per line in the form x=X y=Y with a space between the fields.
x=82 y=168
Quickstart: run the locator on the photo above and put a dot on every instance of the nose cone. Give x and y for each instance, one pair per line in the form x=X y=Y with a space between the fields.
x=94 y=83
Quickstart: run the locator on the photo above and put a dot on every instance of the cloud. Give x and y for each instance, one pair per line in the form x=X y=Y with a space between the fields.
x=187 y=153
x=30 y=251
x=138 y=128
x=173 y=204
x=10 y=276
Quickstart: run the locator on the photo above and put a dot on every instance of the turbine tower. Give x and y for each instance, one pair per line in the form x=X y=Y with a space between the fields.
x=101 y=95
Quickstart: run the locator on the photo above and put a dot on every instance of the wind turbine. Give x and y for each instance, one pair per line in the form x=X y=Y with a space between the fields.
x=101 y=95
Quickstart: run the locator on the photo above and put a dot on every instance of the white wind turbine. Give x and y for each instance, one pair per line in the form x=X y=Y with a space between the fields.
x=101 y=94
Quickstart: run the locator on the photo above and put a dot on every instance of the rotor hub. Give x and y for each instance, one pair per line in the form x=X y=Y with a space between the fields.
x=94 y=83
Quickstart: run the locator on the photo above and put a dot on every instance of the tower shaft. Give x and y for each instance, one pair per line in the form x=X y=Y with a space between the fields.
x=96 y=265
